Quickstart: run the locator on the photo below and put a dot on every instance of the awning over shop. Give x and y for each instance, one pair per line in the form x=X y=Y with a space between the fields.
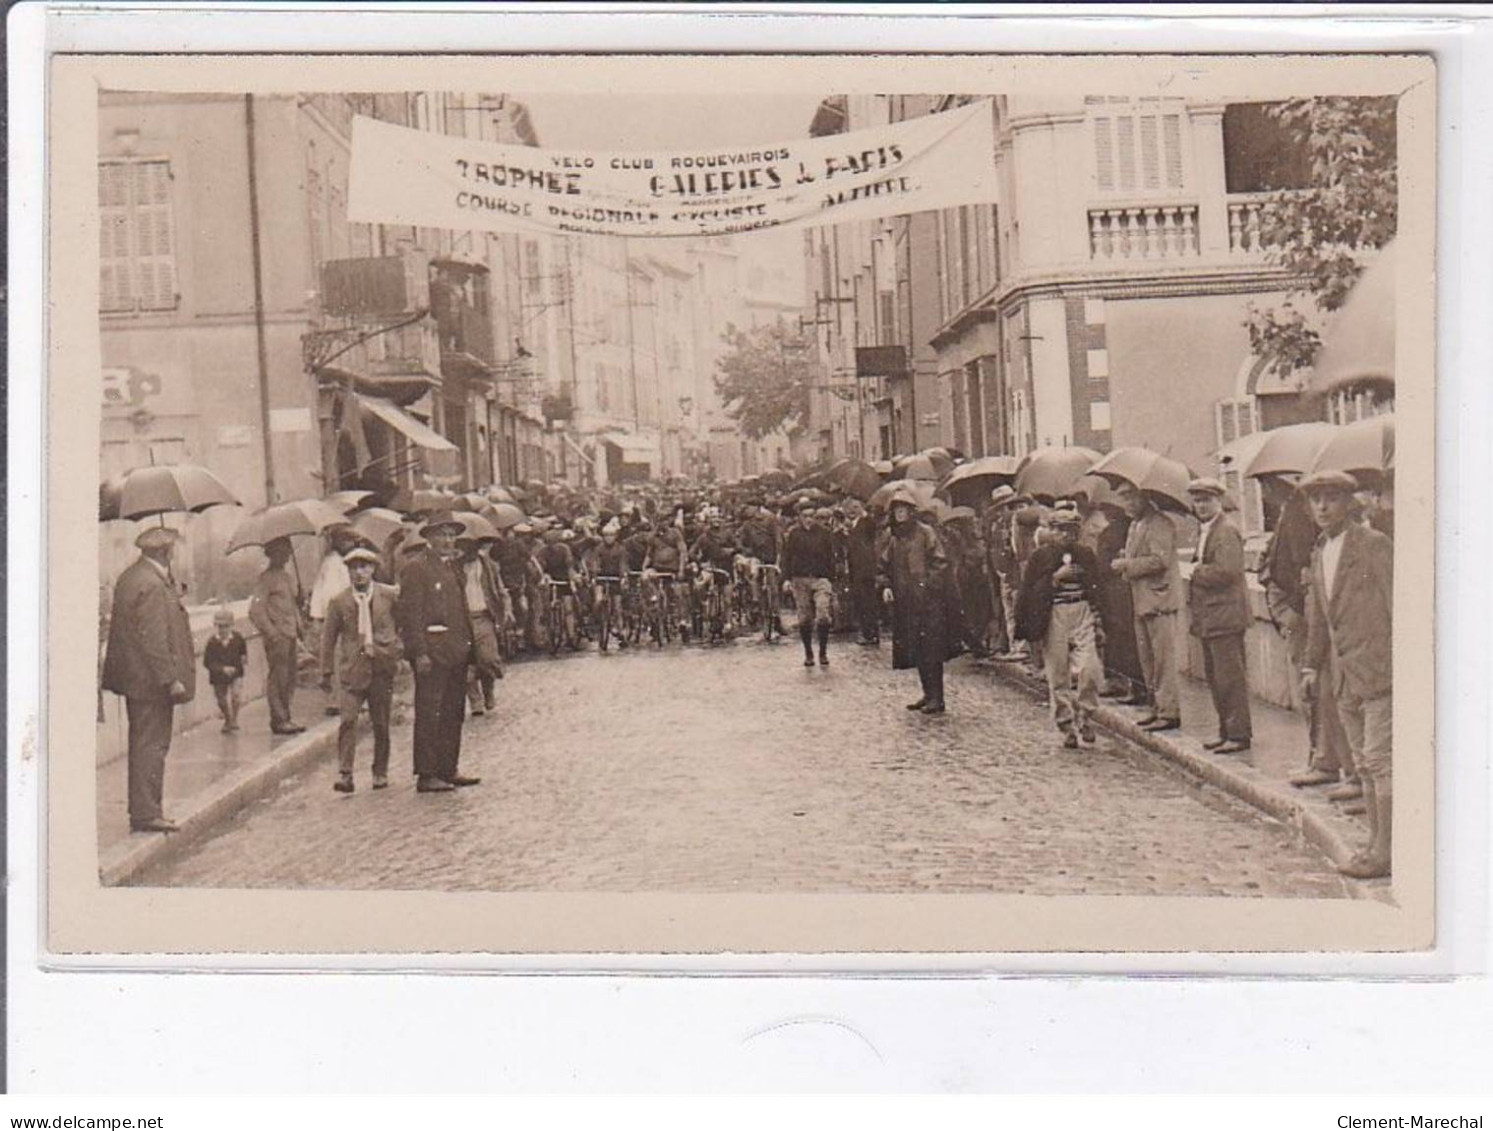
x=442 y=453
x=634 y=449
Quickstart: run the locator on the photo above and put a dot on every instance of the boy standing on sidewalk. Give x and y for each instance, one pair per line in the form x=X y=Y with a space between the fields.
x=226 y=658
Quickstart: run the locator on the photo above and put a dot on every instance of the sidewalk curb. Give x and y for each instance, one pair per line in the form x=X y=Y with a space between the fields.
x=130 y=857
x=1284 y=803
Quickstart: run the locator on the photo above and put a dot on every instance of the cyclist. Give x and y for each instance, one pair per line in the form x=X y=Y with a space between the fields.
x=557 y=565
x=715 y=551
x=608 y=562
x=809 y=566
x=665 y=559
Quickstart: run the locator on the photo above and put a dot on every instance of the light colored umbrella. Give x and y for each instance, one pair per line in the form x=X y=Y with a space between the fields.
x=500 y=494
x=1358 y=342
x=883 y=468
x=422 y=501
x=181 y=488
x=1365 y=446
x=474 y=526
x=1161 y=477
x=919 y=492
x=1288 y=450
x=504 y=515
x=377 y=524
x=285 y=520
x=1049 y=474
x=920 y=467
x=471 y=501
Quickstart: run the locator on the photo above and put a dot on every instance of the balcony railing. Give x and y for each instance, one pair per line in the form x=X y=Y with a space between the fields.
x=1143 y=232
x=466 y=332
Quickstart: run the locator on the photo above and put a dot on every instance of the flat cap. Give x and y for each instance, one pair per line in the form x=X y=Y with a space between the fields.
x=1206 y=485
x=1329 y=481
x=156 y=538
x=360 y=554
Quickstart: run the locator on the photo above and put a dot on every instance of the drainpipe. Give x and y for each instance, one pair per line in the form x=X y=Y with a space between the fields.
x=259 y=330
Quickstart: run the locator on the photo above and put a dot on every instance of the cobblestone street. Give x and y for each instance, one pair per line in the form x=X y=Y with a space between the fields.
x=735 y=769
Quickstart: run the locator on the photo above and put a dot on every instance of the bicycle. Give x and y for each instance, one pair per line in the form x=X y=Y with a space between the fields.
x=770 y=585
x=662 y=603
x=717 y=602
x=608 y=611
x=634 y=606
x=560 y=618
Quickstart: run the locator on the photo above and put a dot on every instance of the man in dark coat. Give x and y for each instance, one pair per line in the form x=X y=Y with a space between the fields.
x=1350 y=641
x=1122 y=667
x=968 y=555
x=1149 y=564
x=809 y=570
x=149 y=660
x=437 y=629
x=862 y=561
x=1218 y=614
x=1057 y=608
x=917 y=582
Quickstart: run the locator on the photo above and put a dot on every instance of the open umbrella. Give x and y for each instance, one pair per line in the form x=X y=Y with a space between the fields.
x=349 y=501
x=813 y=494
x=474 y=526
x=181 y=488
x=285 y=520
x=422 y=501
x=1162 y=478
x=377 y=524
x=1365 y=447
x=952 y=513
x=978 y=477
x=1097 y=490
x=471 y=501
x=883 y=468
x=499 y=494
x=1288 y=450
x=855 y=477
x=1048 y=474
x=503 y=515
x=920 y=467
x=1358 y=343
x=776 y=478
x=919 y=492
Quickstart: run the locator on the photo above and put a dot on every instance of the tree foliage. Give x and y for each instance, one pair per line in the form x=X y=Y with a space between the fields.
x=1320 y=233
x=765 y=379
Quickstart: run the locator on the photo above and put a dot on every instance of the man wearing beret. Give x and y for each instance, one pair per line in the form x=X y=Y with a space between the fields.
x=437 y=628
x=1218 y=614
x=149 y=661
x=1350 y=627
x=361 y=643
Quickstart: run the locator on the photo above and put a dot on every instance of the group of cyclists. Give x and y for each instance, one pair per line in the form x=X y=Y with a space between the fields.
x=688 y=573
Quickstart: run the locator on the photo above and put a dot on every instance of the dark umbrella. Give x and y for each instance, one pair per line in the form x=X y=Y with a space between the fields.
x=285 y=520
x=1161 y=477
x=181 y=488
x=855 y=477
x=919 y=492
x=776 y=478
x=976 y=479
x=1049 y=474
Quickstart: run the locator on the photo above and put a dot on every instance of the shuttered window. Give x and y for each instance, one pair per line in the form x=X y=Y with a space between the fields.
x=1137 y=145
x=137 y=237
x=1232 y=419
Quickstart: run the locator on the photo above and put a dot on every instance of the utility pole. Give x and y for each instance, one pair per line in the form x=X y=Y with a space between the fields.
x=259 y=327
x=632 y=353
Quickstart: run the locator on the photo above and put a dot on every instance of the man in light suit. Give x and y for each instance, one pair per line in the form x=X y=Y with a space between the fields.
x=436 y=624
x=1149 y=564
x=1350 y=641
x=1218 y=614
x=149 y=660
x=360 y=641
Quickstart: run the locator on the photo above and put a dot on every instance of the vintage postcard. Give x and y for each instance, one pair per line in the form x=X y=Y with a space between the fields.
x=542 y=505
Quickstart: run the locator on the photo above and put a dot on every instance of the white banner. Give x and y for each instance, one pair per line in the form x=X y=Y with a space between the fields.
x=407 y=176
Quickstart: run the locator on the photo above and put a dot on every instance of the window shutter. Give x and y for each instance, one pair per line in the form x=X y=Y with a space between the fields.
x=1171 y=133
x=1150 y=161
x=116 y=291
x=155 y=241
x=1235 y=418
x=1104 y=153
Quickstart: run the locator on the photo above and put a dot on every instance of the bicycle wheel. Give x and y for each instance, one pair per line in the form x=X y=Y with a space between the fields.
x=604 y=622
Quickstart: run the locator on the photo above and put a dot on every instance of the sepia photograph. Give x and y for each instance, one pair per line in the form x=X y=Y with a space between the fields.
x=949 y=482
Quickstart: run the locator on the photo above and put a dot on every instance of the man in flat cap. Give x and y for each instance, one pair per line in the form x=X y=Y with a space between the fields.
x=1350 y=633
x=149 y=661
x=437 y=628
x=276 y=613
x=1218 y=614
x=360 y=642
